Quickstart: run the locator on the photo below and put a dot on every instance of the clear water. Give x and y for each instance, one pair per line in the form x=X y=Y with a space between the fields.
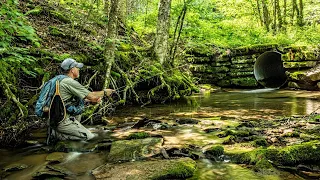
x=234 y=104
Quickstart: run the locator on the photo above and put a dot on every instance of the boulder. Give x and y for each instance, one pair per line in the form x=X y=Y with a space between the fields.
x=128 y=150
x=160 y=169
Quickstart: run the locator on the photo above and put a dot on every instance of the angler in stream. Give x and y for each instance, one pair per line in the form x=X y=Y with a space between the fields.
x=62 y=100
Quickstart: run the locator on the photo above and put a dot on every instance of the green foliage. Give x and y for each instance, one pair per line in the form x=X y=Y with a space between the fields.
x=218 y=23
x=16 y=36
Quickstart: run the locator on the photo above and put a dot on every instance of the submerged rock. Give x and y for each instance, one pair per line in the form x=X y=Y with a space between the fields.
x=161 y=169
x=15 y=167
x=60 y=169
x=56 y=157
x=46 y=174
x=128 y=150
x=187 y=121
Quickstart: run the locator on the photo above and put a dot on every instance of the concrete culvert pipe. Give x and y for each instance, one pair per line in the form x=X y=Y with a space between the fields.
x=269 y=70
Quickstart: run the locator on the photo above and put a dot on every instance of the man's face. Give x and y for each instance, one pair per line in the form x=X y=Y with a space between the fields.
x=75 y=72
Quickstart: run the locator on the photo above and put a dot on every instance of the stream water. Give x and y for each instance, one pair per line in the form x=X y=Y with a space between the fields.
x=233 y=105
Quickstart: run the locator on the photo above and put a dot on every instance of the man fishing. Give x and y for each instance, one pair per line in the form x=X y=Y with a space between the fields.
x=73 y=95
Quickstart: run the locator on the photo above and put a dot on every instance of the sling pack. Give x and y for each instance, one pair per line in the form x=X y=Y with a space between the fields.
x=57 y=110
x=46 y=95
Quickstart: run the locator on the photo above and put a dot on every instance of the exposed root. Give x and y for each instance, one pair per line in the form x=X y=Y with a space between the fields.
x=10 y=95
x=130 y=85
x=159 y=87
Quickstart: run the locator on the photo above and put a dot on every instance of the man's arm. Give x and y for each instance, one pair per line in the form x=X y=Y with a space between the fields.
x=96 y=96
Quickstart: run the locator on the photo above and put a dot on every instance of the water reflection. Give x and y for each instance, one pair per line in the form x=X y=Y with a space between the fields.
x=266 y=103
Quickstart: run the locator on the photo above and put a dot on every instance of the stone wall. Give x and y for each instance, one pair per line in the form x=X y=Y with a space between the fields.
x=234 y=67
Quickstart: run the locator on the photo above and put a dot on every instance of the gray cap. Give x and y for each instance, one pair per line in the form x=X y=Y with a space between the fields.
x=70 y=63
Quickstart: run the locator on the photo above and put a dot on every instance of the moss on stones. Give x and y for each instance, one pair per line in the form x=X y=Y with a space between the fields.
x=305 y=152
x=214 y=151
x=241 y=74
x=181 y=168
x=244 y=82
x=128 y=150
x=138 y=135
x=303 y=64
x=260 y=142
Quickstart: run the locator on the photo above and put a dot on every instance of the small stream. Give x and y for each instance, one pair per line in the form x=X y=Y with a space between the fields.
x=220 y=109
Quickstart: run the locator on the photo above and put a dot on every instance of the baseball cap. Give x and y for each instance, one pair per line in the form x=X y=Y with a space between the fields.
x=70 y=63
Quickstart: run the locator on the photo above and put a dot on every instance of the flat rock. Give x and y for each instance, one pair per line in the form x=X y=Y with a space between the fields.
x=56 y=157
x=187 y=121
x=160 y=169
x=15 y=167
x=128 y=150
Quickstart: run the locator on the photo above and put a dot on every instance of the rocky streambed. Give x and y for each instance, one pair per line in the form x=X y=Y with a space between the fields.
x=228 y=135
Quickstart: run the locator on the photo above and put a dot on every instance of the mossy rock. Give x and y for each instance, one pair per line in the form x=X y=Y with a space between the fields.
x=260 y=142
x=291 y=155
x=244 y=69
x=229 y=140
x=214 y=152
x=138 y=135
x=128 y=150
x=46 y=174
x=302 y=64
x=253 y=49
x=244 y=82
x=243 y=59
x=241 y=66
x=198 y=60
x=208 y=69
x=201 y=50
x=56 y=157
x=60 y=169
x=224 y=83
x=306 y=86
x=241 y=74
x=15 y=167
x=297 y=76
x=141 y=170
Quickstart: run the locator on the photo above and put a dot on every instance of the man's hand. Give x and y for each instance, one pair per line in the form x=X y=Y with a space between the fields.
x=108 y=92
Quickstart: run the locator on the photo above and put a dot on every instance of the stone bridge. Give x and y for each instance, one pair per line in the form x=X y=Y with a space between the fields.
x=235 y=67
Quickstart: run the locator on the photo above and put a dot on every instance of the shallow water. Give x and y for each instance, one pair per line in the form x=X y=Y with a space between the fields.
x=233 y=105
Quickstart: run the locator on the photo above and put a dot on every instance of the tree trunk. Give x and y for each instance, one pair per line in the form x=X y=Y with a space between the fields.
x=266 y=16
x=300 y=16
x=259 y=12
x=294 y=8
x=110 y=48
x=274 y=26
x=176 y=36
x=284 y=13
x=162 y=35
x=279 y=15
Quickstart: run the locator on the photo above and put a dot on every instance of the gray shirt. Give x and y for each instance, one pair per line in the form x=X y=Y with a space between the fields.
x=71 y=90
